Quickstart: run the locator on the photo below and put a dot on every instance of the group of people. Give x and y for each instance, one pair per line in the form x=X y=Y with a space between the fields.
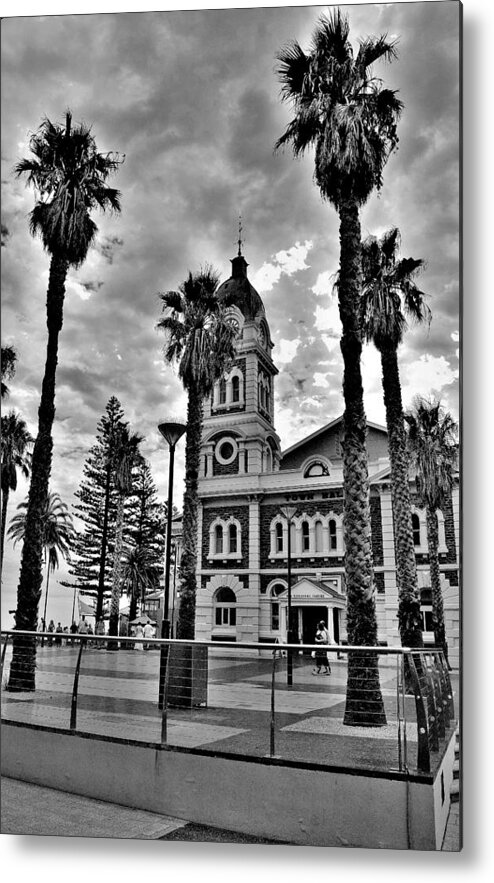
x=56 y=633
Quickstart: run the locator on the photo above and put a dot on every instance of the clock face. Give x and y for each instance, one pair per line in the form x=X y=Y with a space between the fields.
x=233 y=321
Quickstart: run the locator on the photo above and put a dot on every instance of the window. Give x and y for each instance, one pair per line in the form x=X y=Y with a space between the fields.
x=218 y=540
x=225 y=613
x=318 y=468
x=319 y=536
x=279 y=537
x=275 y=616
x=225 y=538
x=416 y=529
x=305 y=536
x=232 y=537
x=333 y=537
x=222 y=391
x=235 y=388
x=226 y=450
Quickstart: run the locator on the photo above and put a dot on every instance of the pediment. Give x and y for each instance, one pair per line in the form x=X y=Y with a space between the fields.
x=311 y=590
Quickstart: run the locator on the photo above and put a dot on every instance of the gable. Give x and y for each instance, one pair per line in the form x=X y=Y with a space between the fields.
x=327 y=442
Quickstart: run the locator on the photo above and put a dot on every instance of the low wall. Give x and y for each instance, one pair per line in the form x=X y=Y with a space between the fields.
x=265 y=797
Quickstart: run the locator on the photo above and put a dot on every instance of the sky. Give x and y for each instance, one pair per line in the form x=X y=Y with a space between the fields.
x=192 y=99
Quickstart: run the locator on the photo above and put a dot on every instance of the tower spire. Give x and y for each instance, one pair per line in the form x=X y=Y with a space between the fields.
x=240 y=241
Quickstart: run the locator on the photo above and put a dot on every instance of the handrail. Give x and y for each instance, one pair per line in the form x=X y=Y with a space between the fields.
x=243 y=645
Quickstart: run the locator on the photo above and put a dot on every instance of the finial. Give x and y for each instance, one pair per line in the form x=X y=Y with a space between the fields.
x=240 y=229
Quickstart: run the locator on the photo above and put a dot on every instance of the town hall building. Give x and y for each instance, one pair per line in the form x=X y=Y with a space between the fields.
x=246 y=479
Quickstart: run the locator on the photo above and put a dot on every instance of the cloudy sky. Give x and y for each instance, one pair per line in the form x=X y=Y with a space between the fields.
x=192 y=100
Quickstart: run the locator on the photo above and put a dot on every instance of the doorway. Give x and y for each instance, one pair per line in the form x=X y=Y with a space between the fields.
x=310 y=618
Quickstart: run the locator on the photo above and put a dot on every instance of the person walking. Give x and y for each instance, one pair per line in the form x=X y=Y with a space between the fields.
x=51 y=628
x=321 y=658
x=139 y=634
x=148 y=632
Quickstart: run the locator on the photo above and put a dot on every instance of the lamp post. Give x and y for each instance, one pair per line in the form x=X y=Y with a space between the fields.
x=171 y=431
x=288 y=511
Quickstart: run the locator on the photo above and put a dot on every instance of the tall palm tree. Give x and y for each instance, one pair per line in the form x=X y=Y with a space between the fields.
x=344 y=112
x=432 y=441
x=69 y=177
x=57 y=531
x=390 y=297
x=125 y=457
x=9 y=359
x=138 y=577
x=200 y=339
x=15 y=446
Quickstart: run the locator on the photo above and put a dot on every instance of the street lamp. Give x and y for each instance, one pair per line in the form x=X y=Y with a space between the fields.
x=288 y=511
x=171 y=431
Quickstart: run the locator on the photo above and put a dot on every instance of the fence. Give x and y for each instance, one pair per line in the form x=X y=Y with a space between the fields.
x=379 y=708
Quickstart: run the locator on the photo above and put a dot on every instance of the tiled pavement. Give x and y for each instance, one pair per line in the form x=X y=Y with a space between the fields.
x=118 y=693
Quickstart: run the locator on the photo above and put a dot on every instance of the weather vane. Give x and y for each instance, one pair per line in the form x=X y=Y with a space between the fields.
x=240 y=231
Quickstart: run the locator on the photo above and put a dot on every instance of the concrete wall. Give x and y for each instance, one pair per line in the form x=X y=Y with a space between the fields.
x=265 y=798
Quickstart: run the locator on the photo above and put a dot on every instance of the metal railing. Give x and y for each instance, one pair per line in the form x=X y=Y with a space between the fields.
x=381 y=707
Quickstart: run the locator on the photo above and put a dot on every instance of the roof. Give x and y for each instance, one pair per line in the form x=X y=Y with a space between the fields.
x=238 y=291
x=325 y=428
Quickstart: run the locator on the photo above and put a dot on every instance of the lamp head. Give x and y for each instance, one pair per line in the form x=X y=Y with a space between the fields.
x=172 y=431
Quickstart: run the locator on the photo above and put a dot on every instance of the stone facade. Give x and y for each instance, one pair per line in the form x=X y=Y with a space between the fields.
x=245 y=480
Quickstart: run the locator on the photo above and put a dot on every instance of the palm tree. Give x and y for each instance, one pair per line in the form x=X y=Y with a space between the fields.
x=69 y=177
x=390 y=297
x=432 y=441
x=344 y=112
x=9 y=359
x=200 y=339
x=125 y=456
x=15 y=445
x=57 y=532
x=139 y=577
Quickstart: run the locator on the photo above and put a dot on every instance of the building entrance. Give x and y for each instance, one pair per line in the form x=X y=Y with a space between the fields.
x=310 y=617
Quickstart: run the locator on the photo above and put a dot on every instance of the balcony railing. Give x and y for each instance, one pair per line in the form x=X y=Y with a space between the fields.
x=234 y=699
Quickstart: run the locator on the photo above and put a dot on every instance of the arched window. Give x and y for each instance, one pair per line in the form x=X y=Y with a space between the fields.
x=218 y=539
x=319 y=536
x=222 y=391
x=225 y=538
x=333 y=538
x=279 y=537
x=233 y=538
x=416 y=529
x=235 y=388
x=317 y=468
x=225 y=613
x=305 y=536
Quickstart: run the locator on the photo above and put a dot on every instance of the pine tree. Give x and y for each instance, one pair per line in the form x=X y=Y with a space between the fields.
x=147 y=520
x=92 y=564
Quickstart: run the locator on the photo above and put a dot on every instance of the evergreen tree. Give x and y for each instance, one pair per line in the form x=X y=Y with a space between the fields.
x=147 y=523
x=92 y=562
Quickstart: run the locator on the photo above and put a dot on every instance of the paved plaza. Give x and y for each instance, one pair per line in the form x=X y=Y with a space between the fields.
x=118 y=694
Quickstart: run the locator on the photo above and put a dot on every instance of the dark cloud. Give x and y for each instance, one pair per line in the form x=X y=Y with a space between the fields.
x=6 y=234
x=192 y=100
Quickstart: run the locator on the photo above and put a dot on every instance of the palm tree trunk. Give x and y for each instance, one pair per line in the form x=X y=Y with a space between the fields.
x=117 y=567
x=435 y=572
x=5 y=500
x=409 y=616
x=22 y=668
x=188 y=563
x=364 y=703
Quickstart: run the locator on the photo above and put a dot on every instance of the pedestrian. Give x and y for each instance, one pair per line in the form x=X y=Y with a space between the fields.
x=99 y=630
x=51 y=628
x=73 y=631
x=148 y=632
x=139 y=634
x=132 y=635
x=321 y=656
x=58 y=632
x=90 y=635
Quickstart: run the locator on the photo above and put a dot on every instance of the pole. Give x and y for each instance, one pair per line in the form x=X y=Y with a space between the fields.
x=289 y=657
x=165 y=625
